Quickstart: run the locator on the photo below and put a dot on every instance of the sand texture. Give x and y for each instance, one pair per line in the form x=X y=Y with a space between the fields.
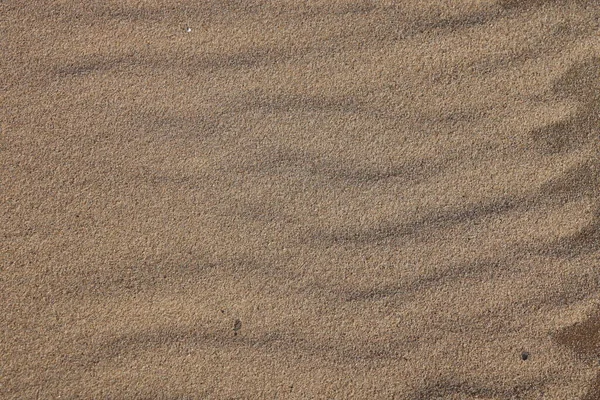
x=322 y=199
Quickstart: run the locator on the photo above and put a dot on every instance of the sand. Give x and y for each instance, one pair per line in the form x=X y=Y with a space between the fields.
x=226 y=199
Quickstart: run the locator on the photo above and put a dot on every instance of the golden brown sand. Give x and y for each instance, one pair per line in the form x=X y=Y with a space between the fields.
x=300 y=199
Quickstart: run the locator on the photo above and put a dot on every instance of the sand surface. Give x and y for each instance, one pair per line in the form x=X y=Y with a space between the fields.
x=299 y=199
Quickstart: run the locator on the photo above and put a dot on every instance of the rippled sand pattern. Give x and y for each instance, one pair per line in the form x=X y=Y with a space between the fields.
x=300 y=199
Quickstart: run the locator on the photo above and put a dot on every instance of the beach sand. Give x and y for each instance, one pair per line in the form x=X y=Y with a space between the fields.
x=300 y=199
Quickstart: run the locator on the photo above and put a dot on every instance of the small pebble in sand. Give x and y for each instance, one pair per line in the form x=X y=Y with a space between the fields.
x=237 y=325
x=188 y=29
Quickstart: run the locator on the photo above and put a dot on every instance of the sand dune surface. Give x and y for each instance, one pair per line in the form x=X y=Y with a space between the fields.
x=300 y=199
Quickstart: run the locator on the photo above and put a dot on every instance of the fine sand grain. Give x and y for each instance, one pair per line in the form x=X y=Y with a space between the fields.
x=300 y=199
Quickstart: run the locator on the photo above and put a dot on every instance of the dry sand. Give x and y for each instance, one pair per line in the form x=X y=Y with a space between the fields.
x=300 y=199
